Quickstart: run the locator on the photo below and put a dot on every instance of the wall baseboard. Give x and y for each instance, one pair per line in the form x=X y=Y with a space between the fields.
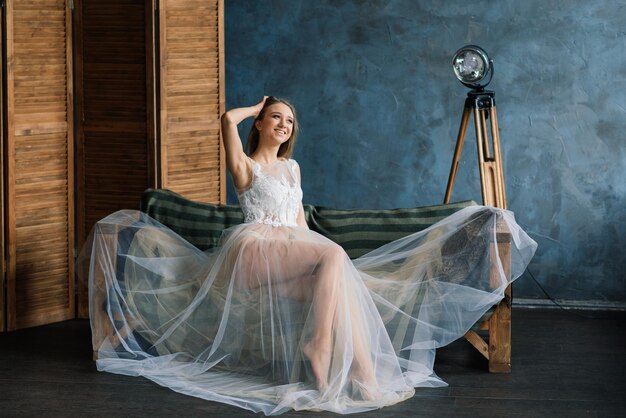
x=589 y=305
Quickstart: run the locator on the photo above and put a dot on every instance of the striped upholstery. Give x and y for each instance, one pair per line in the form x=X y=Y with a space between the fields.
x=199 y=223
x=358 y=231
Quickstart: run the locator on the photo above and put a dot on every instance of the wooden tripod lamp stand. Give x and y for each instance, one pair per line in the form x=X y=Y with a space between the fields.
x=471 y=66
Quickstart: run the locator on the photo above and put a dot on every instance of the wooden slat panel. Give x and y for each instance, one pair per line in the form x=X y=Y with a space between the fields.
x=192 y=98
x=115 y=130
x=39 y=144
x=2 y=265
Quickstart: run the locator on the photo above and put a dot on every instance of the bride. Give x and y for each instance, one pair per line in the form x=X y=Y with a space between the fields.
x=277 y=317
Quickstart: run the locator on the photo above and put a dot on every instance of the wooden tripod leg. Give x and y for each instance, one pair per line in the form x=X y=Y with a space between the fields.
x=499 y=177
x=485 y=186
x=490 y=166
x=457 y=152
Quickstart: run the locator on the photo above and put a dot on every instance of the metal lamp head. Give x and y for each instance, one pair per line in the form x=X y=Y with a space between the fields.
x=472 y=66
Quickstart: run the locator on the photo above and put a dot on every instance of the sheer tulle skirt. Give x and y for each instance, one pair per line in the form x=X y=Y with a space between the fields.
x=279 y=318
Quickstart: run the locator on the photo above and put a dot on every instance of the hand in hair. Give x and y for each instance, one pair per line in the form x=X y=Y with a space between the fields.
x=259 y=106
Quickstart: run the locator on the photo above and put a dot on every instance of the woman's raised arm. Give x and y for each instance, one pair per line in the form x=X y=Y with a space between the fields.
x=236 y=159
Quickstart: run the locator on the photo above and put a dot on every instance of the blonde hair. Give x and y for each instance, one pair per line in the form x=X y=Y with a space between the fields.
x=286 y=149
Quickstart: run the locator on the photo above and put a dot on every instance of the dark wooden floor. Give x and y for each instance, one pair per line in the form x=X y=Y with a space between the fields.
x=564 y=365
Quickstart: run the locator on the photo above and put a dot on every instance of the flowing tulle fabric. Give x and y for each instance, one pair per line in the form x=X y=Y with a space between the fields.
x=230 y=324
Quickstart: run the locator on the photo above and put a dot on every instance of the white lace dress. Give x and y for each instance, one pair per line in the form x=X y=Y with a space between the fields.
x=230 y=324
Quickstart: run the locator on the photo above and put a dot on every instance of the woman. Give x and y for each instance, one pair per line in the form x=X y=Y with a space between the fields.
x=289 y=261
x=278 y=317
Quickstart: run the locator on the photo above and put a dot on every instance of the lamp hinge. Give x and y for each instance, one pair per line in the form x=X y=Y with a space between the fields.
x=72 y=5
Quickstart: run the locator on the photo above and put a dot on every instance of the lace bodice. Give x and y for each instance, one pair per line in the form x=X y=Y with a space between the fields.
x=274 y=196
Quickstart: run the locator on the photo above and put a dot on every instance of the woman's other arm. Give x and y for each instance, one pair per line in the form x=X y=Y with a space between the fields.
x=300 y=220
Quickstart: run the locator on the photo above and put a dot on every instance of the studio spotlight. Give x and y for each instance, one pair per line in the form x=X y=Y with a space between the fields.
x=474 y=69
x=472 y=66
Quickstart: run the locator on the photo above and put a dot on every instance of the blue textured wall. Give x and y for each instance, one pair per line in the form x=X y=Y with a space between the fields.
x=380 y=108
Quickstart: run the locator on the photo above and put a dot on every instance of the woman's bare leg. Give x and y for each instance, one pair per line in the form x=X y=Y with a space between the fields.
x=325 y=297
x=324 y=263
x=362 y=371
x=329 y=291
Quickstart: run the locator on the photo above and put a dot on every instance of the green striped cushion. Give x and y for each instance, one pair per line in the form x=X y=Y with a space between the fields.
x=199 y=223
x=358 y=231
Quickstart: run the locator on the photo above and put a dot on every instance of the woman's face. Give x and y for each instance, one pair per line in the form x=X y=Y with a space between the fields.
x=277 y=124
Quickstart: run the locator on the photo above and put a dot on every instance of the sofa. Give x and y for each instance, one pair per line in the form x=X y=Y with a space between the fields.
x=358 y=231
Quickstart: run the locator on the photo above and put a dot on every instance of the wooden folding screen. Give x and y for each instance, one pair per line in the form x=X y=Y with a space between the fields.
x=191 y=64
x=149 y=92
x=39 y=162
